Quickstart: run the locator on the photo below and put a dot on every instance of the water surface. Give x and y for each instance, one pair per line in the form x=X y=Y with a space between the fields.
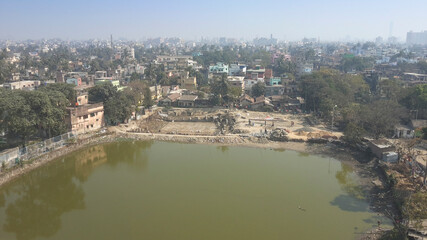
x=158 y=190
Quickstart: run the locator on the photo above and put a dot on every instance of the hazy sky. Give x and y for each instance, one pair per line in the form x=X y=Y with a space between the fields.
x=191 y=19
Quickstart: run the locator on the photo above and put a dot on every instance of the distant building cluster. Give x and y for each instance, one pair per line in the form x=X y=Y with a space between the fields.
x=416 y=38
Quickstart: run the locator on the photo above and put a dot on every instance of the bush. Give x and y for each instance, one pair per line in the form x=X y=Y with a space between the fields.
x=267 y=109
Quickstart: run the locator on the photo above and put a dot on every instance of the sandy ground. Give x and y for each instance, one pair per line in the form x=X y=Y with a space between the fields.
x=296 y=125
x=247 y=122
x=190 y=128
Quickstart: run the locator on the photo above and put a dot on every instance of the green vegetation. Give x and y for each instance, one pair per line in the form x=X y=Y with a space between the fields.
x=357 y=111
x=29 y=114
x=117 y=104
x=148 y=99
x=352 y=63
x=258 y=89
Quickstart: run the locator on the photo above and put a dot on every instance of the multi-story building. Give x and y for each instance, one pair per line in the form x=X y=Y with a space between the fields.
x=22 y=85
x=219 y=68
x=255 y=73
x=416 y=37
x=85 y=117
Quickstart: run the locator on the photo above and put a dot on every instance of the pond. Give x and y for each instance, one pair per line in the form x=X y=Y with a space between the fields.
x=160 y=190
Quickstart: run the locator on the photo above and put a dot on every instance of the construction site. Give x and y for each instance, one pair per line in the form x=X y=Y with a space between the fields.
x=226 y=122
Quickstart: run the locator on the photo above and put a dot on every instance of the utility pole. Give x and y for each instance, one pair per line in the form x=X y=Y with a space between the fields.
x=333 y=115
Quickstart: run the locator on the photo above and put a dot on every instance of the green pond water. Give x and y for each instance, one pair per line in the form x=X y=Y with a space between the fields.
x=158 y=190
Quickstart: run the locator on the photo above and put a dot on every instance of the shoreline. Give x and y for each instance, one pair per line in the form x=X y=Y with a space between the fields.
x=328 y=150
x=365 y=169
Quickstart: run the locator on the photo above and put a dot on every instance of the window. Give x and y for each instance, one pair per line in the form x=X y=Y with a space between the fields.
x=85 y=117
x=408 y=132
x=92 y=114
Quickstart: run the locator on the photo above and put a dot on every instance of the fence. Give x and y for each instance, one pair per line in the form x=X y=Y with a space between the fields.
x=13 y=156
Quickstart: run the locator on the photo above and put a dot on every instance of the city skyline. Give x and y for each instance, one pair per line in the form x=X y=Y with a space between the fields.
x=190 y=20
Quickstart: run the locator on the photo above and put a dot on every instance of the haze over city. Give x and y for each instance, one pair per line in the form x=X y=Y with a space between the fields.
x=189 y=19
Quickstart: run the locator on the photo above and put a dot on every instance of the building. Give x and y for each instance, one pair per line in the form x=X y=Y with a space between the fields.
x=237 y=70
x=416 y=38
x=219 y=68
x=77 y=81
x=268 y=73
x=250 y=82
x=85 y=118
x=82 y=100
x=255 y=73
x=274 y=90
x=414 y=78
x=187 y=101
x=156 y=91
x=401 y=131
x=188 y=83
x=167 y=58
x=100 y=74
x=254 y=103
x=273 y=81
x=22 y=85
x=237 y=81
x=170 y=100
x=107 y=80
x=380 y=146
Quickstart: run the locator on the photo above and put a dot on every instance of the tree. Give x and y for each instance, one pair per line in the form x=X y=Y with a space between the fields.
x=416 y=208
x=135 y=76
x=118 y=109
x=135 y=89
x=379 y=117
x=148 y=100
x=117 y=105
x=26 y=114
x=324 y=89
x=350 y=63
x=353 y=133
x=66 y=89
x=258 y=89
x=102 y=93
x=220 y=88
x=17 y=117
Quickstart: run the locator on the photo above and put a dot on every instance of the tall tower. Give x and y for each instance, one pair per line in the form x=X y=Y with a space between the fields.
x=111 y=39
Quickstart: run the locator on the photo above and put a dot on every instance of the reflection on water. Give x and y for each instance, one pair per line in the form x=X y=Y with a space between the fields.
x=42 y=199
x=348 y=182
x=188 y=192
x=349 y=203
x=44 y=195
x=2 y=200
x=356 y=196
x=222 y=148
x=303 y=154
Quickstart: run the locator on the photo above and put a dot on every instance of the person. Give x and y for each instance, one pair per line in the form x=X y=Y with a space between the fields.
x=292 y=123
